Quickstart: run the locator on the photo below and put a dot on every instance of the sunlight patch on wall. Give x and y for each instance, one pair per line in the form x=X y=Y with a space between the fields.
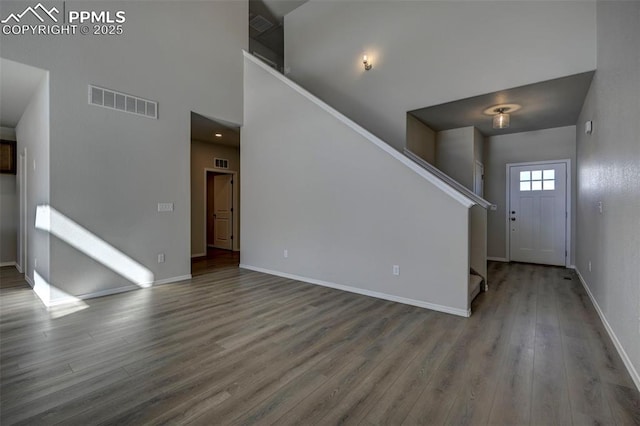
x=50 y=220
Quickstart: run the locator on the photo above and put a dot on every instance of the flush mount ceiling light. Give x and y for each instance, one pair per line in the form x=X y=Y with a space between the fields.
x=218 y=135
x=501 y=114
x=502 y=119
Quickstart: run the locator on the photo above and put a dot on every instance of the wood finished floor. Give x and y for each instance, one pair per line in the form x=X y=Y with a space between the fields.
x=214 y=260
x=240 y=347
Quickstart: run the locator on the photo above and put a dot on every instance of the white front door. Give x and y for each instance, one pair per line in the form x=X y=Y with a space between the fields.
x=538 y=213
x=222 y=205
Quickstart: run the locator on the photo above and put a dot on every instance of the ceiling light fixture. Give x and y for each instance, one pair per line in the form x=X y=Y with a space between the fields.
x=367 y=64
x=218 y=135
x=502 y=114
x=501 y=120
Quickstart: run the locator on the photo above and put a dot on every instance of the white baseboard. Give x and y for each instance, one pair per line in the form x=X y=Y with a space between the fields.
x=497 y=259
x=110 y=291
x=198 y=255
x=19 y=268
x=378 y=295
x=172 y=280
x=623 y=354
x=3 y=264
x=29 y=281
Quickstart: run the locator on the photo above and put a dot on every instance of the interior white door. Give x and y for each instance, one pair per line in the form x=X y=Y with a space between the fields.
x=538 y=213
x=222 y=204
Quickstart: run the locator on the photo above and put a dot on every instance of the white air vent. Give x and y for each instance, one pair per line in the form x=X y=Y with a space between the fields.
x=111 y=99
x=221 y=163
x=260 y=23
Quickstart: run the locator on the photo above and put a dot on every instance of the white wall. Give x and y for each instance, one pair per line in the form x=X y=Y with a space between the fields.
x=202 y=156
x=609 y=172
x=455 y=154
x=421 y=52
x=8 y=209
x=539 y=145
x=421 y=140
x=345 y=209
x=33 y=134
x=109 y=169
x=478 y=240
x=478 y=146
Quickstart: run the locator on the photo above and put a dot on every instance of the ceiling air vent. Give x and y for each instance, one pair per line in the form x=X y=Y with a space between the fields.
x=260 y=23
x=111 y=99
x=221 y=163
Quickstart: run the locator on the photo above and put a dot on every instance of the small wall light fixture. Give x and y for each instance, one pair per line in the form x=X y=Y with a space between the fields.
x=588 y=127
x=367 y=64
x=218 y=135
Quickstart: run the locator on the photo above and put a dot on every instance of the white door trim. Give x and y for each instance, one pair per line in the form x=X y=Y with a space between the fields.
x=234 y=214
x=22 y=212
x=567 y=240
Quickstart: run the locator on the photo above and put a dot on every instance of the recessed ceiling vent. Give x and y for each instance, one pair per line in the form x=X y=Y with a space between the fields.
x=221 y=163
x=260 y=23
x=111 y=99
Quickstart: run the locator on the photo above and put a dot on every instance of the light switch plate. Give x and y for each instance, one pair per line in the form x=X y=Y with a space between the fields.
x=165 y=207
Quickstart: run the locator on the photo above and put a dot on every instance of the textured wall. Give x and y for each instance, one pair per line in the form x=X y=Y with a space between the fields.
x=609 y=173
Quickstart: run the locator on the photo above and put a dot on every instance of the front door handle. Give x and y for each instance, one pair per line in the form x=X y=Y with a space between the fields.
x=513 y=219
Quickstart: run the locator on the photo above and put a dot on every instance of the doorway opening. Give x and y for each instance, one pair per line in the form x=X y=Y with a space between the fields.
x=538 y=203
x=215 y=194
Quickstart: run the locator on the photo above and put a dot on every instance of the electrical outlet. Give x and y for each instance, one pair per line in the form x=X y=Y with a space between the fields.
x=35 y=262
x=589 y=266
x=600 y=207
x=160 y=257
x=396 y=270
x=286 y=253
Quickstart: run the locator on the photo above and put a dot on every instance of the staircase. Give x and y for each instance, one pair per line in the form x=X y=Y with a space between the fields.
x=350 y=211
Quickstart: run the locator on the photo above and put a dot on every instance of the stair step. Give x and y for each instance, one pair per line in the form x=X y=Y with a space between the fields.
x=474 y=285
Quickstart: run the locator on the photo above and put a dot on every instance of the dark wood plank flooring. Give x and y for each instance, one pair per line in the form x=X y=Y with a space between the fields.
x=215 y=259
x=239 y=347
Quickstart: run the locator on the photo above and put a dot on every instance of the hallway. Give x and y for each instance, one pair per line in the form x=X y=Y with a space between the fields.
x=215 y=259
